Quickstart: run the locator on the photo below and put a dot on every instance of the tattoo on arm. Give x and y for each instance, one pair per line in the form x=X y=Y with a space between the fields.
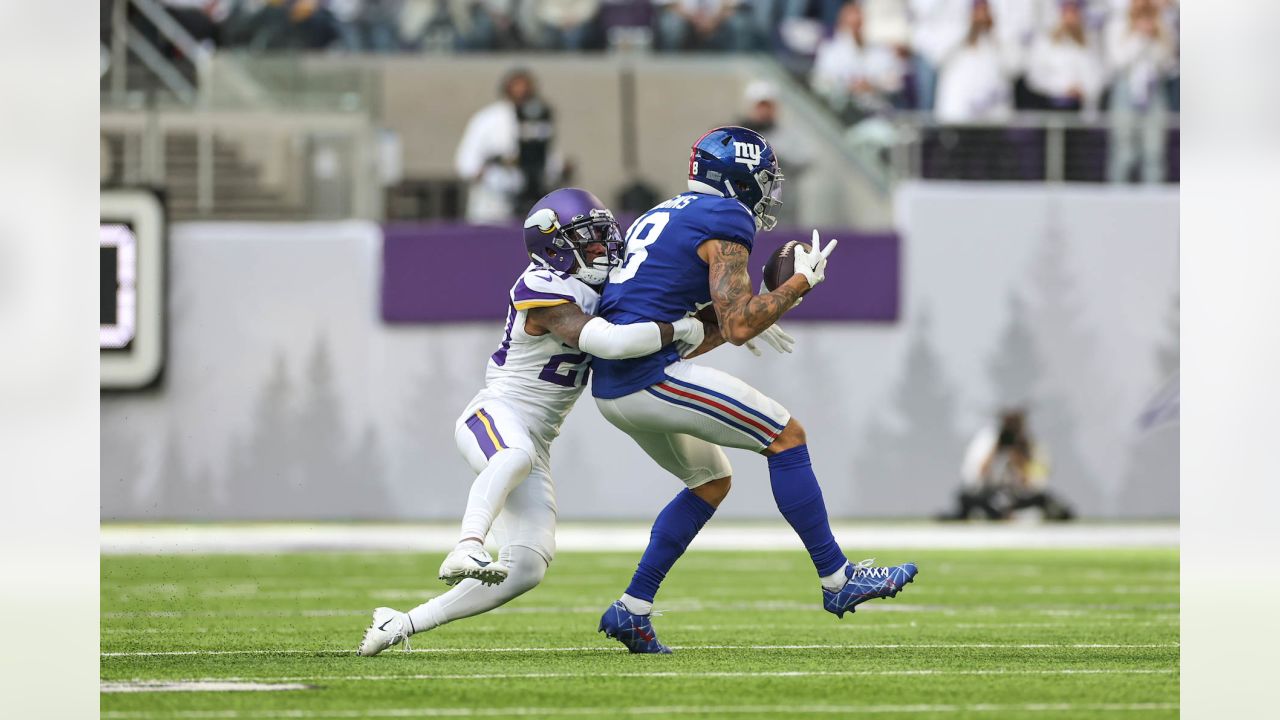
x=566 y=321
x=742 y=314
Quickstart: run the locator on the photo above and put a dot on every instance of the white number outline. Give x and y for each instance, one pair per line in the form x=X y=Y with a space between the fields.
x=638 y=247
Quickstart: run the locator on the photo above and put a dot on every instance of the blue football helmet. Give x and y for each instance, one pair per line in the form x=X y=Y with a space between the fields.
x=561 y=225
x=738 y=163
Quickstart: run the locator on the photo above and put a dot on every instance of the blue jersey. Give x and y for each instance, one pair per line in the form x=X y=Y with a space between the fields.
x=663 y=279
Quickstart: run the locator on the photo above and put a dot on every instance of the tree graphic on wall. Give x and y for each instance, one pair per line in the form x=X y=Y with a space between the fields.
x=1070 y=385
x=1017 y=371
x=178 y=493
x=1015 y=367
x=263 y=479
x=909 y=464
x=1154 y=471
x=337 y=472
x=298 y=461
x=122 y=466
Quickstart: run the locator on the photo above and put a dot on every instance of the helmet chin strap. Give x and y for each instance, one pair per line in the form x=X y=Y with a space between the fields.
x=589 y=273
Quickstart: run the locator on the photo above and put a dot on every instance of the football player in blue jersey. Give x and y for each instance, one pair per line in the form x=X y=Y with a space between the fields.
x=686 y=253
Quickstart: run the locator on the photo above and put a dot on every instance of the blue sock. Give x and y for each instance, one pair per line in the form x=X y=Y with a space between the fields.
x=796 y=491
x=673 y=530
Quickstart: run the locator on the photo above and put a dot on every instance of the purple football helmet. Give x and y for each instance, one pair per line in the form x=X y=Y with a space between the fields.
x=561 y=226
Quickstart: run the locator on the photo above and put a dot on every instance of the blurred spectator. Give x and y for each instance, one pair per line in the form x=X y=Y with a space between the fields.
x=856 y=78
x=506 y=153
x=702 y=25
x=369 y=25
x=939 y=30
x=888 y=23
x=494 y=26
x=1140 y=57
x=1063 y=72
x=198 y=17
x=295 y=25
x=973 y=83
x=565 y=24
x=430 y=25
x=1005 y=470
x=793 y=151
x=627 y=23
x=1017 y=25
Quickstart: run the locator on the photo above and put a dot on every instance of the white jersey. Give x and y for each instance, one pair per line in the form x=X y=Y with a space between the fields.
x=540 y=376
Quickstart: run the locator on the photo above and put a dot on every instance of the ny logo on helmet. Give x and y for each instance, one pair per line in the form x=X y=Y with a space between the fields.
x=746 y=153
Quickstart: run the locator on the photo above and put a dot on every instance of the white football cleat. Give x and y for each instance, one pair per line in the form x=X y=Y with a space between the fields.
x=472 y=561
x=387 y=629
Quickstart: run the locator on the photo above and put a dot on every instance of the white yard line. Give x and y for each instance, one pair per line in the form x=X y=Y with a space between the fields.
x=210 y=685
x=622 y=536
x=689 y=674
x=608 y=711
x=825 y=646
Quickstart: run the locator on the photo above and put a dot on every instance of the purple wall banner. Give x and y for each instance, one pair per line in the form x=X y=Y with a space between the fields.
x=455 y=272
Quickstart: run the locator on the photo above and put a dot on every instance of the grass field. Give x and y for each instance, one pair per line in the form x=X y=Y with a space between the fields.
x=980 y=634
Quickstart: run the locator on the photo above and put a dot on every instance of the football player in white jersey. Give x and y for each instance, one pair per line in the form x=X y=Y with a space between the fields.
x=532 y=382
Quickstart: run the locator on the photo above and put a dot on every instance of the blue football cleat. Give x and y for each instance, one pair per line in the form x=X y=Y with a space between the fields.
x=634 y=631
x=867 y=582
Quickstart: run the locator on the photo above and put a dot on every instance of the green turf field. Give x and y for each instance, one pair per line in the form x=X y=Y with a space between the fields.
x=980 y=634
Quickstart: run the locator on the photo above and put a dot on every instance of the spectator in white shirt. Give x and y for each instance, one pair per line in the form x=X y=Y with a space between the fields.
x=973 y=83
x=1140 y=57
x=888 y=22
x=855 y=77
x=939 y=28
x=1063 y=72
x=564 y=24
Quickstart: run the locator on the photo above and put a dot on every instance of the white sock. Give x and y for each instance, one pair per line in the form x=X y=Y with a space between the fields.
x=506 y=469
x=636 y=606
x=471 y=597
x=835 y=581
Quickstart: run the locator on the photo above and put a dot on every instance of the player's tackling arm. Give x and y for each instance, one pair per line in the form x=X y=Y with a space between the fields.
x=743 y=315
x=599 y=337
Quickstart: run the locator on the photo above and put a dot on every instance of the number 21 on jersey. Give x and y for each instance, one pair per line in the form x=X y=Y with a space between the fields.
x=641 y=235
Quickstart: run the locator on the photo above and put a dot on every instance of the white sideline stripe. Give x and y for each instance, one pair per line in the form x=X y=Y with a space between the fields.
x=1092 y=611
x=629 y=536
x=673 y=674
x=928 y=646
x=251 y=630
x=661 y=711
x=210 y=685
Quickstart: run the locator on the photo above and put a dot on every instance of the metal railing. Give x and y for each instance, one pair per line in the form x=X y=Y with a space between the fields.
x=1029 y=146
x=255 y=164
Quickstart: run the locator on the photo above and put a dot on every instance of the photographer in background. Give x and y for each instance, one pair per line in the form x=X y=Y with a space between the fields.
x=1005 y=471
x=506 y=154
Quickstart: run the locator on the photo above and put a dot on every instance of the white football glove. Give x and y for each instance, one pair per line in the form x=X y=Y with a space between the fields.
x=777 y=338
x=812 y=264
x=689 y=334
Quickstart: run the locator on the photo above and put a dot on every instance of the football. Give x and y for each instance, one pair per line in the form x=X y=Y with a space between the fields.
x=781 y=265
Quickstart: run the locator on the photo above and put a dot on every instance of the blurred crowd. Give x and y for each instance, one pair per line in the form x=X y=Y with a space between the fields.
x=955 y=62
x=964 y=59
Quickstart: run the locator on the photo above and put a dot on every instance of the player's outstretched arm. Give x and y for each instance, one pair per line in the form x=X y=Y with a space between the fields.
x=599 y=337
x=744 y=315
